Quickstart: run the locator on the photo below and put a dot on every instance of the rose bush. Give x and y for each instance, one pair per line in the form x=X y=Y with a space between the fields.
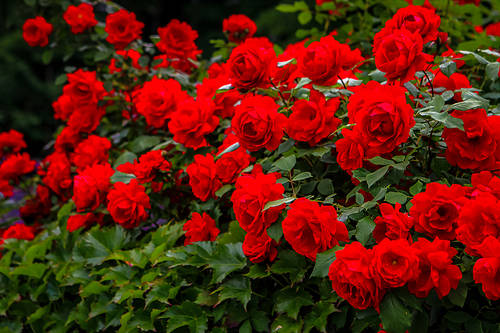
x=346 y=182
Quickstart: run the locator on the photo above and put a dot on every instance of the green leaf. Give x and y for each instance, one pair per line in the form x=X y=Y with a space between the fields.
x=448 y=68
x=47 y=56
x=364 y=229
x=286 y=8
x=416 y=188
x=459 y=295
x=318 y=317
x=394 y=197
x=275 y=231
x=257 y=272
x=304 y=17
x=277 y=203
x=375 y=176
x=323 y=262
x=34 y=270
x=61 y=79
x=120 y=177
x=223 y=190
x=229 y=149
x=302 y=176
x=93 y=288
x=99 y=243
x=239 y=288
x=438 y=103
x=492 y=70
x=325 y=187
x=228 y=258
x=187 y=314
x=143 y=142
x=445 y=118
x=284 y=324
x=286 y=146
x=284 y=63
x=396 y=318
x=470 y=104
x=290 y=300
x=125 y=157
x=377 y=160
x=292 y=263
x=286 y=163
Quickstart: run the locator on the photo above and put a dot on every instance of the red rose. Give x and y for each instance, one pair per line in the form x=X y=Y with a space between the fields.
x=487 y=182
x=11 y=142
x=192 y=121
x=224 y=101
x=92 y=150
x=80 y=17
x=394 y=263
x=284 y=77
x=37 y=207
x=435 y=268
x=311 y=229
x=177 y=42
x=249 y=63
x=16 y=165
x=158 y=99
x=67 y=140
x=382 y=116
x=252 y=193
x=392 y=224
x=313 y=120
x=130 y=56
x=122 y=28
x=83 y=88
x=237 y=28
x=350 y=151
x=324 y=60
x=229 y=165
x=474 y=148
x=76 y=222
x=259 y=247
x=478 y=219
x=200 y=229
x=202 y=177
x=86 y=118
x=416 y=19
x=257 y=123
x=398 y=53
x=128 y=203
x=36 y=31
x=351 y=278
x=436 y=210
x=19 y=231
x=91 y=187
x=455 y=82
x=149 y=166
x=487 y=269
x=493 y=29
x=56 y=173
x=63 y=107
x=6 y=189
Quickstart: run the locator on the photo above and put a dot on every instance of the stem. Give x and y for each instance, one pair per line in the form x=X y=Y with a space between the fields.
x=279 y=92
x=430 y=82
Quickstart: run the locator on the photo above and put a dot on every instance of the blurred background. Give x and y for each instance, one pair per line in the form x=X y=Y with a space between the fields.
x=27 y=86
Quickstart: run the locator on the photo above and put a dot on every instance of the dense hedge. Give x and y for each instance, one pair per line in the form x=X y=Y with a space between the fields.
x=347 y=182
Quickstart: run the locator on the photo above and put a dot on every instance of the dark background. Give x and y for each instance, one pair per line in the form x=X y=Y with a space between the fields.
x=27 y=87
